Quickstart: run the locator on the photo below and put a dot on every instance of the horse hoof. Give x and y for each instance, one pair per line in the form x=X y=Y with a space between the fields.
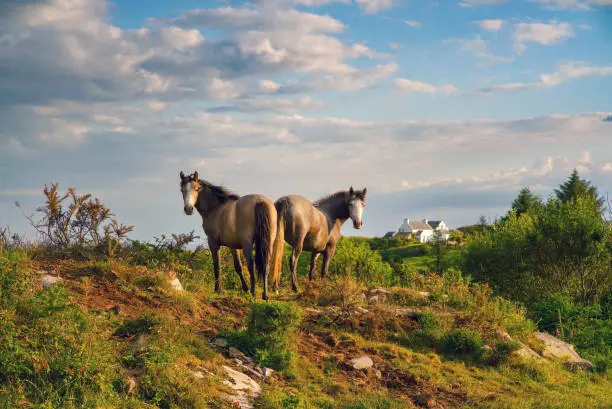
x=295 y=289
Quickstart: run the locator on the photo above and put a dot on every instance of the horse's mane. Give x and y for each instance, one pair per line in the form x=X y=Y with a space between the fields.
x=325 y=199
x=221 y=193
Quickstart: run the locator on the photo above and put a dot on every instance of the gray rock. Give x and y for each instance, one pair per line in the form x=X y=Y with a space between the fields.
x=220 y=342
x=267 y=372
x=361 y=310
x=377 y=299
x=49 y=280
x=130 y=385
x=235 y=353
x=378 y=374
x=176 y=284
x=244 y=387
x=375 y=291
x=554 y=348
x=424 y=294
x=362 y=362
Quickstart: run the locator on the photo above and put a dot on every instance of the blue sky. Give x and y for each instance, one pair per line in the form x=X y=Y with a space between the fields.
x=443 y=109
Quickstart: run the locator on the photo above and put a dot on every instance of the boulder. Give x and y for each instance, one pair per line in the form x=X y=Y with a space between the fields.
x=49 y=280
x=235 y=353
x=267 y=372
x=377 y=299
x=363 y=362
x=130 y=385
x=176 y=284
x=220 y=342
x=554 y=348
x=243 y=386
x=375 y=291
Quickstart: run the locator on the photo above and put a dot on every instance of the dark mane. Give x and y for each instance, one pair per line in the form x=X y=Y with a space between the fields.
x=328 y=198
x=219 y=192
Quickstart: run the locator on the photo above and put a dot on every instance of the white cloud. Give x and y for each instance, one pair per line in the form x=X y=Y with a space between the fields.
x=411 y=86
x=413 y=23
x=272 y=105
x=268 y=86
x=564 y=73
x=479 y=48
x=490 y=25
x=471 y=3
x=374 y=6
x=606 y=167
x=542 y=33
x=584 y=5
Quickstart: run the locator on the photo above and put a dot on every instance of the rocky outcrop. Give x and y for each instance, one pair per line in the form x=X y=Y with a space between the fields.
x=363 y=362
x=554 y=348
x=49 y=280
x=244 y=387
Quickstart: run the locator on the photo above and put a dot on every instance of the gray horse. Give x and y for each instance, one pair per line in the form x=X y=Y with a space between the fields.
x=236 y=222
x=313 y=227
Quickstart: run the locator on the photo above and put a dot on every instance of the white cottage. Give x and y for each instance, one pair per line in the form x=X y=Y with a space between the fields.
x=423 y=230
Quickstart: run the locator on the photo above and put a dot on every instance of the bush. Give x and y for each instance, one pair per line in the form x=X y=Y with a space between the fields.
x=71 y=219
x=270 y=334
x=502 y=352
x=355 y=258
x=343 y=291
x=461 y=342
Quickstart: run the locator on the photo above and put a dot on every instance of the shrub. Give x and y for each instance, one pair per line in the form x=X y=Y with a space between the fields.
x=356 y=259
x=84 y=221
x=270 y=334
x=342 y=290
x=461 y=342
x=145 y=324
x=502 y=352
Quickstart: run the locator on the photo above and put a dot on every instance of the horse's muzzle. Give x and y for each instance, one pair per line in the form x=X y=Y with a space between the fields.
x=358 y=224
x=188 y=210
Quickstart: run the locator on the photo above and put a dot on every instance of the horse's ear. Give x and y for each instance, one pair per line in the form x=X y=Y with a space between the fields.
x=351 y=190
x=195 y=175
x=182 y=175
x=364 y=192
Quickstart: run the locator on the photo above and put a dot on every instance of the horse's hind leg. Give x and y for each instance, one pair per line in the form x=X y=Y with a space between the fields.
x=295 y=255
x=247 y=250
x=313 y=262
x=238 y=267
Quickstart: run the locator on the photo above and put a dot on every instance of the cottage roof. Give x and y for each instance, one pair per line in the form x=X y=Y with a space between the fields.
x=434 y=223
x=418 y=225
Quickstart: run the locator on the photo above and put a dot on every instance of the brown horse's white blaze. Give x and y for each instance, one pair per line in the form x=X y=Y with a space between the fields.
x=190 y=191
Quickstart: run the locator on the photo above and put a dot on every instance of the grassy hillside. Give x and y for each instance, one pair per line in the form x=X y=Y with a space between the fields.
x=114 y=333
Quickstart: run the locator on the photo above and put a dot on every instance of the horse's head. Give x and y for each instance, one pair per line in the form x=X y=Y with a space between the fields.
x=190 y=188
x=356 y=203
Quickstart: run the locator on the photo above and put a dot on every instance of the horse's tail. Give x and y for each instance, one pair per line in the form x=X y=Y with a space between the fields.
x=279 y=242
x=263 y=237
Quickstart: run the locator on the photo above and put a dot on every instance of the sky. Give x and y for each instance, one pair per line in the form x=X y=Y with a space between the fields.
x=442 y=109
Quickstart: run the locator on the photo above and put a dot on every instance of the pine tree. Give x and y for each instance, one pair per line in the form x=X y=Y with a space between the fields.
x=575 y=187
x=525 y=201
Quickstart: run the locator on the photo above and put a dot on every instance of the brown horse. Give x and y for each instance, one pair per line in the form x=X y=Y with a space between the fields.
x=313 y=227
x=236 y=222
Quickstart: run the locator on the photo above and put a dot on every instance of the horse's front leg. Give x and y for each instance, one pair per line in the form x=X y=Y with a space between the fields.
x=328 y=253
x=214 y=249
x=238 y=267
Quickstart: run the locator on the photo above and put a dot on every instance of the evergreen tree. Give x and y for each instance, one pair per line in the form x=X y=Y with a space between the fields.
x=575 y=187
x=525 y=201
